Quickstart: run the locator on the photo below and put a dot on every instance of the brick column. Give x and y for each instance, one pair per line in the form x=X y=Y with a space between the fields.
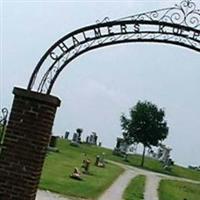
x=27 y=137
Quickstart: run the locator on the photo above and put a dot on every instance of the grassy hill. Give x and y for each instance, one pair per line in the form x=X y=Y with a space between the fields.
x=58 y=167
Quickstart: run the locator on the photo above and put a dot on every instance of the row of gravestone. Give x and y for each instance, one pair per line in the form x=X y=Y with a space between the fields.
x=163 y=154
x=76 y=139
x=121 y=149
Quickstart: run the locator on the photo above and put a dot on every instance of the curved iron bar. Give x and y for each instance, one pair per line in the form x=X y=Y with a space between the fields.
x=3 y=122
x=52 y=81
x=114 y=41
x=181 y=24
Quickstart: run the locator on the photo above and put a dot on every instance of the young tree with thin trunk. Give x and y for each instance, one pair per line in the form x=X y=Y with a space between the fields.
x=146 y=125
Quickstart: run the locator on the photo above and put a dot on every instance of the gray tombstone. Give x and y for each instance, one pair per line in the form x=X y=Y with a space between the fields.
x=75 y=140
x=53 y=141
x=95 y=139
x=92 y=139
x=87 y=139
x=121 y=147
x=75 y=137
x=67 y=135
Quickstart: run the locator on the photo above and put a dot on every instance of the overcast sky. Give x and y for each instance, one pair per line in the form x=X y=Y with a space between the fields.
x=100 y=85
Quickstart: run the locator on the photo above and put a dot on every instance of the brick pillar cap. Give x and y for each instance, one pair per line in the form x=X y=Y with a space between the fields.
x=52 y=100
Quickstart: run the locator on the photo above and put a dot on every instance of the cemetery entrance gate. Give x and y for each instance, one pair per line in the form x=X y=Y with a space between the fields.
x=31 y=119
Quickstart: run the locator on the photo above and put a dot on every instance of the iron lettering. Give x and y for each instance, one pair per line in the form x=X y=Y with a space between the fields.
x=75 y=41
x=97 y=32
x=136 y=28
x=161 y=28
x=110 y=30
x=177 y=31
x=63 y=47
x=196 y=35
x=123 y=28
x=174 y=30
x=53 y=55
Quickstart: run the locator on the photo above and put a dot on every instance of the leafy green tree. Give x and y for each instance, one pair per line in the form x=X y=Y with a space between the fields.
x=145 y=125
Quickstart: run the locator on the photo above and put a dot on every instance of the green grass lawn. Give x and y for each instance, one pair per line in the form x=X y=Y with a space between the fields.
x=58 y=167
x=135 y=190
x=176 y=190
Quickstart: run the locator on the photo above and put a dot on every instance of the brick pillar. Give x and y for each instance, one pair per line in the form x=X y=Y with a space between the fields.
x=27 y=137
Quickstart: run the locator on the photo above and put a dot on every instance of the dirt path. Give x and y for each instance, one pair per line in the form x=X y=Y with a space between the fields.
x=153 y=180
x=116 y=190
x=46 y=195
x=151 y=187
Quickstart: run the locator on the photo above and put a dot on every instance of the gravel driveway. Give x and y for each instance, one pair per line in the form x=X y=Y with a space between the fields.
x=46 y=195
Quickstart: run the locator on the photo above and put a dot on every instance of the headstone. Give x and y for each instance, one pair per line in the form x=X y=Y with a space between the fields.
x=159 y=153
x=97 y=160
x=76 y=174
x=119 y=141
x=95 y=138
x=79 y=138
x=133 y=148
x=100 y=162
x=53 y=141
x=87 y=139
x=151 y=153
x=85 y=166
x=79 y=132
x=75 y=137
x=75 y=140
x=67 y=135
x=92 y=139
x=102 y=159
x=163 y=155
x=121 y=147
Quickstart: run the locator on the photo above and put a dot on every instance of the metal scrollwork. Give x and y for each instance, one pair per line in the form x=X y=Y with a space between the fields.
x=185 y=13
x=178 y=25
x=106 y=19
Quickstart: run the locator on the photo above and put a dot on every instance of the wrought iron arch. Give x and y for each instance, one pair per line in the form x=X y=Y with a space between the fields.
x=178 y=25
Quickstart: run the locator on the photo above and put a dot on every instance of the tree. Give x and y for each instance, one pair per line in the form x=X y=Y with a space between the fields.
x=145 y=125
